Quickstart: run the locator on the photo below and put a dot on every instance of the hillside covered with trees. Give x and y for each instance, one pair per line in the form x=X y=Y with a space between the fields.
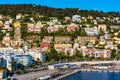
x=51 y=12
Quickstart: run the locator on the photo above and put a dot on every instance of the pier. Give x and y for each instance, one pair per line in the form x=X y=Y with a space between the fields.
x=65 y=75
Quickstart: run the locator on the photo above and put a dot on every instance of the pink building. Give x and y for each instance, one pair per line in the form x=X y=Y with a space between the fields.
x=72 y=27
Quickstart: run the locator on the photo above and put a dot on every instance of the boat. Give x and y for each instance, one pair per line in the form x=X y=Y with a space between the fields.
x=101 y=67
x=47 y=77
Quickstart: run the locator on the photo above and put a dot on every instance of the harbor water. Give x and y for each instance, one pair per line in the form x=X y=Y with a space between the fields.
x=94 y=76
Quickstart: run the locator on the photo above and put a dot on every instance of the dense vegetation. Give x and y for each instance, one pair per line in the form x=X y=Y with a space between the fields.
x=48 y=11
x=27 y=9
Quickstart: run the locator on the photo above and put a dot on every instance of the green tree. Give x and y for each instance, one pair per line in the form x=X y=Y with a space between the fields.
x=118 y=35
x=82 y=32
x=118 y=46
x=13 y=63
x=113 y=54
x=101 y=32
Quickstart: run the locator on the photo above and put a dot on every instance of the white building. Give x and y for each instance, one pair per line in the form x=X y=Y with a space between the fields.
x=76 y=18
x=92 y=31
x=7 y=61
x=37 y=54
x=76 y=45
x=1 y=16
x=19 y=16
x=42 y=57
x=7 y=25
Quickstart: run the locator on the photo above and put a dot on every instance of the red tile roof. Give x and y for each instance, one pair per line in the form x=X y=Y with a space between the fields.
x=45 y=44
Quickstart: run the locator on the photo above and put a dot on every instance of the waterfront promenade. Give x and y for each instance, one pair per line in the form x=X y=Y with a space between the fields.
x=94 y=62
x=33 y=75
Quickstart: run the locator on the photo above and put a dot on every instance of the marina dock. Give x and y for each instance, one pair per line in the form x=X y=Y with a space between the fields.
x=63 y=76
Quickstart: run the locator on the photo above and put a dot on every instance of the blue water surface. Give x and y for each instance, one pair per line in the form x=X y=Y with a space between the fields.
x=94 y=76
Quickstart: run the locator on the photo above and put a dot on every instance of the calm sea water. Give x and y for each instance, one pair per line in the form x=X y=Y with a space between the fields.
x=94 y=76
